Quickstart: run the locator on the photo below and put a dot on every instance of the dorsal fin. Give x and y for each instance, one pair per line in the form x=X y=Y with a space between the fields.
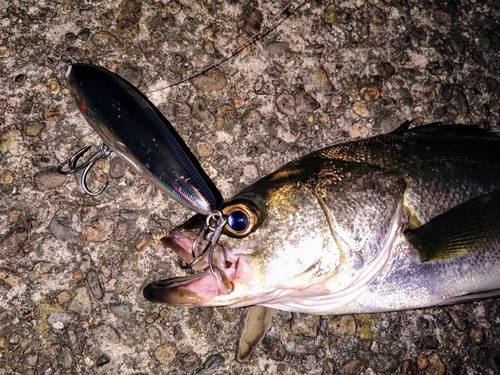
x=439 y=128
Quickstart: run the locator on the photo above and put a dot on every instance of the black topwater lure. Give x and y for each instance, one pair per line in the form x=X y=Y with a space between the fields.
x=130 y=125
x=135 y=129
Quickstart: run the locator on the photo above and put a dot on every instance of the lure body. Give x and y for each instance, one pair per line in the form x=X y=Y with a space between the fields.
x=133 y=128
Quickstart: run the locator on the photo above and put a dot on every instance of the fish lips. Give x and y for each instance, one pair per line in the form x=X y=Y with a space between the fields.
x=201 y=287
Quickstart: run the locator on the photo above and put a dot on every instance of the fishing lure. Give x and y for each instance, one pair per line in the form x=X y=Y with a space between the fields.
x=131 y=126
x=135 y=129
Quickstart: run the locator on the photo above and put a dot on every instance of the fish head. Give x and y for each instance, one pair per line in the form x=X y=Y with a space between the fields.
x=262 y=254
x=306 y=238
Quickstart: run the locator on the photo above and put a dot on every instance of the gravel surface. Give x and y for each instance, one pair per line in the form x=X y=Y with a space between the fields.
x=72 y=267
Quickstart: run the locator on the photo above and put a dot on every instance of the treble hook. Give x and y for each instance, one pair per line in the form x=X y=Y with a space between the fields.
x=215 y=222
x=104 y=152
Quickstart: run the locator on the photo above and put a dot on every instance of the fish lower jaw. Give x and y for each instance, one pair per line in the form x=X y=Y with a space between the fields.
x=202 y=287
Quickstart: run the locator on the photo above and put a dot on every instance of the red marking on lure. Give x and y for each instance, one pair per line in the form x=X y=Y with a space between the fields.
x=82 y=108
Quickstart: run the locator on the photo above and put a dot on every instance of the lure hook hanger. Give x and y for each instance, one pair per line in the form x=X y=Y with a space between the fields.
x=103 y=153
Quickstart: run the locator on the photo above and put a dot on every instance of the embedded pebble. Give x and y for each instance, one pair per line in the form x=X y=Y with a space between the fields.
x=286 y=104
x=274 y=348
x=165 y=353
x=212 y=80
x=94 y=284
x=120 y=231
x=102 y=360
x=462 y=103
x=10 y=140
x=252 y=21
x=441 y=17
x=211 y=365
x=459 y=320
x=209 y=169
x=66 y=358
x=238 y=102
x=277 y=48
x=387 y=69
x=307 y=104
x=63 y=297
x=306 y=325
x=54 y=86
x=336 y=101
x=60 y=228
x=204 y=149
x=370 y=93
x=46 y=161
x=4 y=51
x=127 y=22
x=141 y=244
x=436 y=366
x=173 y=7
x=422 y=361
x=228 y=111
x=128 y=214
x=360 y=109
x=88 y=213
x=325 y=120
x=446 y=92
x=491 y=84
x=358 y=131
x=51 y=115
x=49 y=179
x=251 y=117
x=58 y=320
x=202 y=111
x=98 y=231
x=250 y=172
x=12 y=241
x=33 y=129
x=78 y=276
x=117 y=168
x=331 y=15
x=353 y=367
x=104 y=39
x=6 y=177
x=81 y=303
x=342 y=325
x=123 y=287
x=9 y=278
x=163 y=316
x=476 y=335
x=13 y=216
x=130 y=73
x=378 y=17
x=408 y=367
x=104 y=334
x=318 y=81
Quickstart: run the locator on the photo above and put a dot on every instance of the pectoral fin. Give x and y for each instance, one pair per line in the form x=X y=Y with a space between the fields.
x=465 y=229
x=257 y=323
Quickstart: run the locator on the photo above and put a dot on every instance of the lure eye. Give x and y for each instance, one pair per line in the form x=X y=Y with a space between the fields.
x=241 y=219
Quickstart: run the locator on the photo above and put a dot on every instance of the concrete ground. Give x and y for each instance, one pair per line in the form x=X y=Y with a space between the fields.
x=72 y=267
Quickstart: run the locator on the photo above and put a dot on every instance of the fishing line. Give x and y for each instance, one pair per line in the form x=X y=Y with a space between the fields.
x=263 y=32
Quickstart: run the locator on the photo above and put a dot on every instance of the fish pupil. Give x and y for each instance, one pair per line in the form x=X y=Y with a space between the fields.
x=237 y=221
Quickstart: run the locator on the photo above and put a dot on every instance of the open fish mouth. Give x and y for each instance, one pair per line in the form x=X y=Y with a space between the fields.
x=205 y=284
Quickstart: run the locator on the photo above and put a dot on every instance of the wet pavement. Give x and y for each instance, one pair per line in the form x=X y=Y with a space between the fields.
x=72 y=267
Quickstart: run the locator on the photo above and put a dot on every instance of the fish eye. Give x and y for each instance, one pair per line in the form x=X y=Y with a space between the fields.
x=237 y=221
x=241 y=219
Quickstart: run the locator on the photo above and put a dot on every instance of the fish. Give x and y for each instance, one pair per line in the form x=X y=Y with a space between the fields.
x=132 y=127
x=398 y=221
